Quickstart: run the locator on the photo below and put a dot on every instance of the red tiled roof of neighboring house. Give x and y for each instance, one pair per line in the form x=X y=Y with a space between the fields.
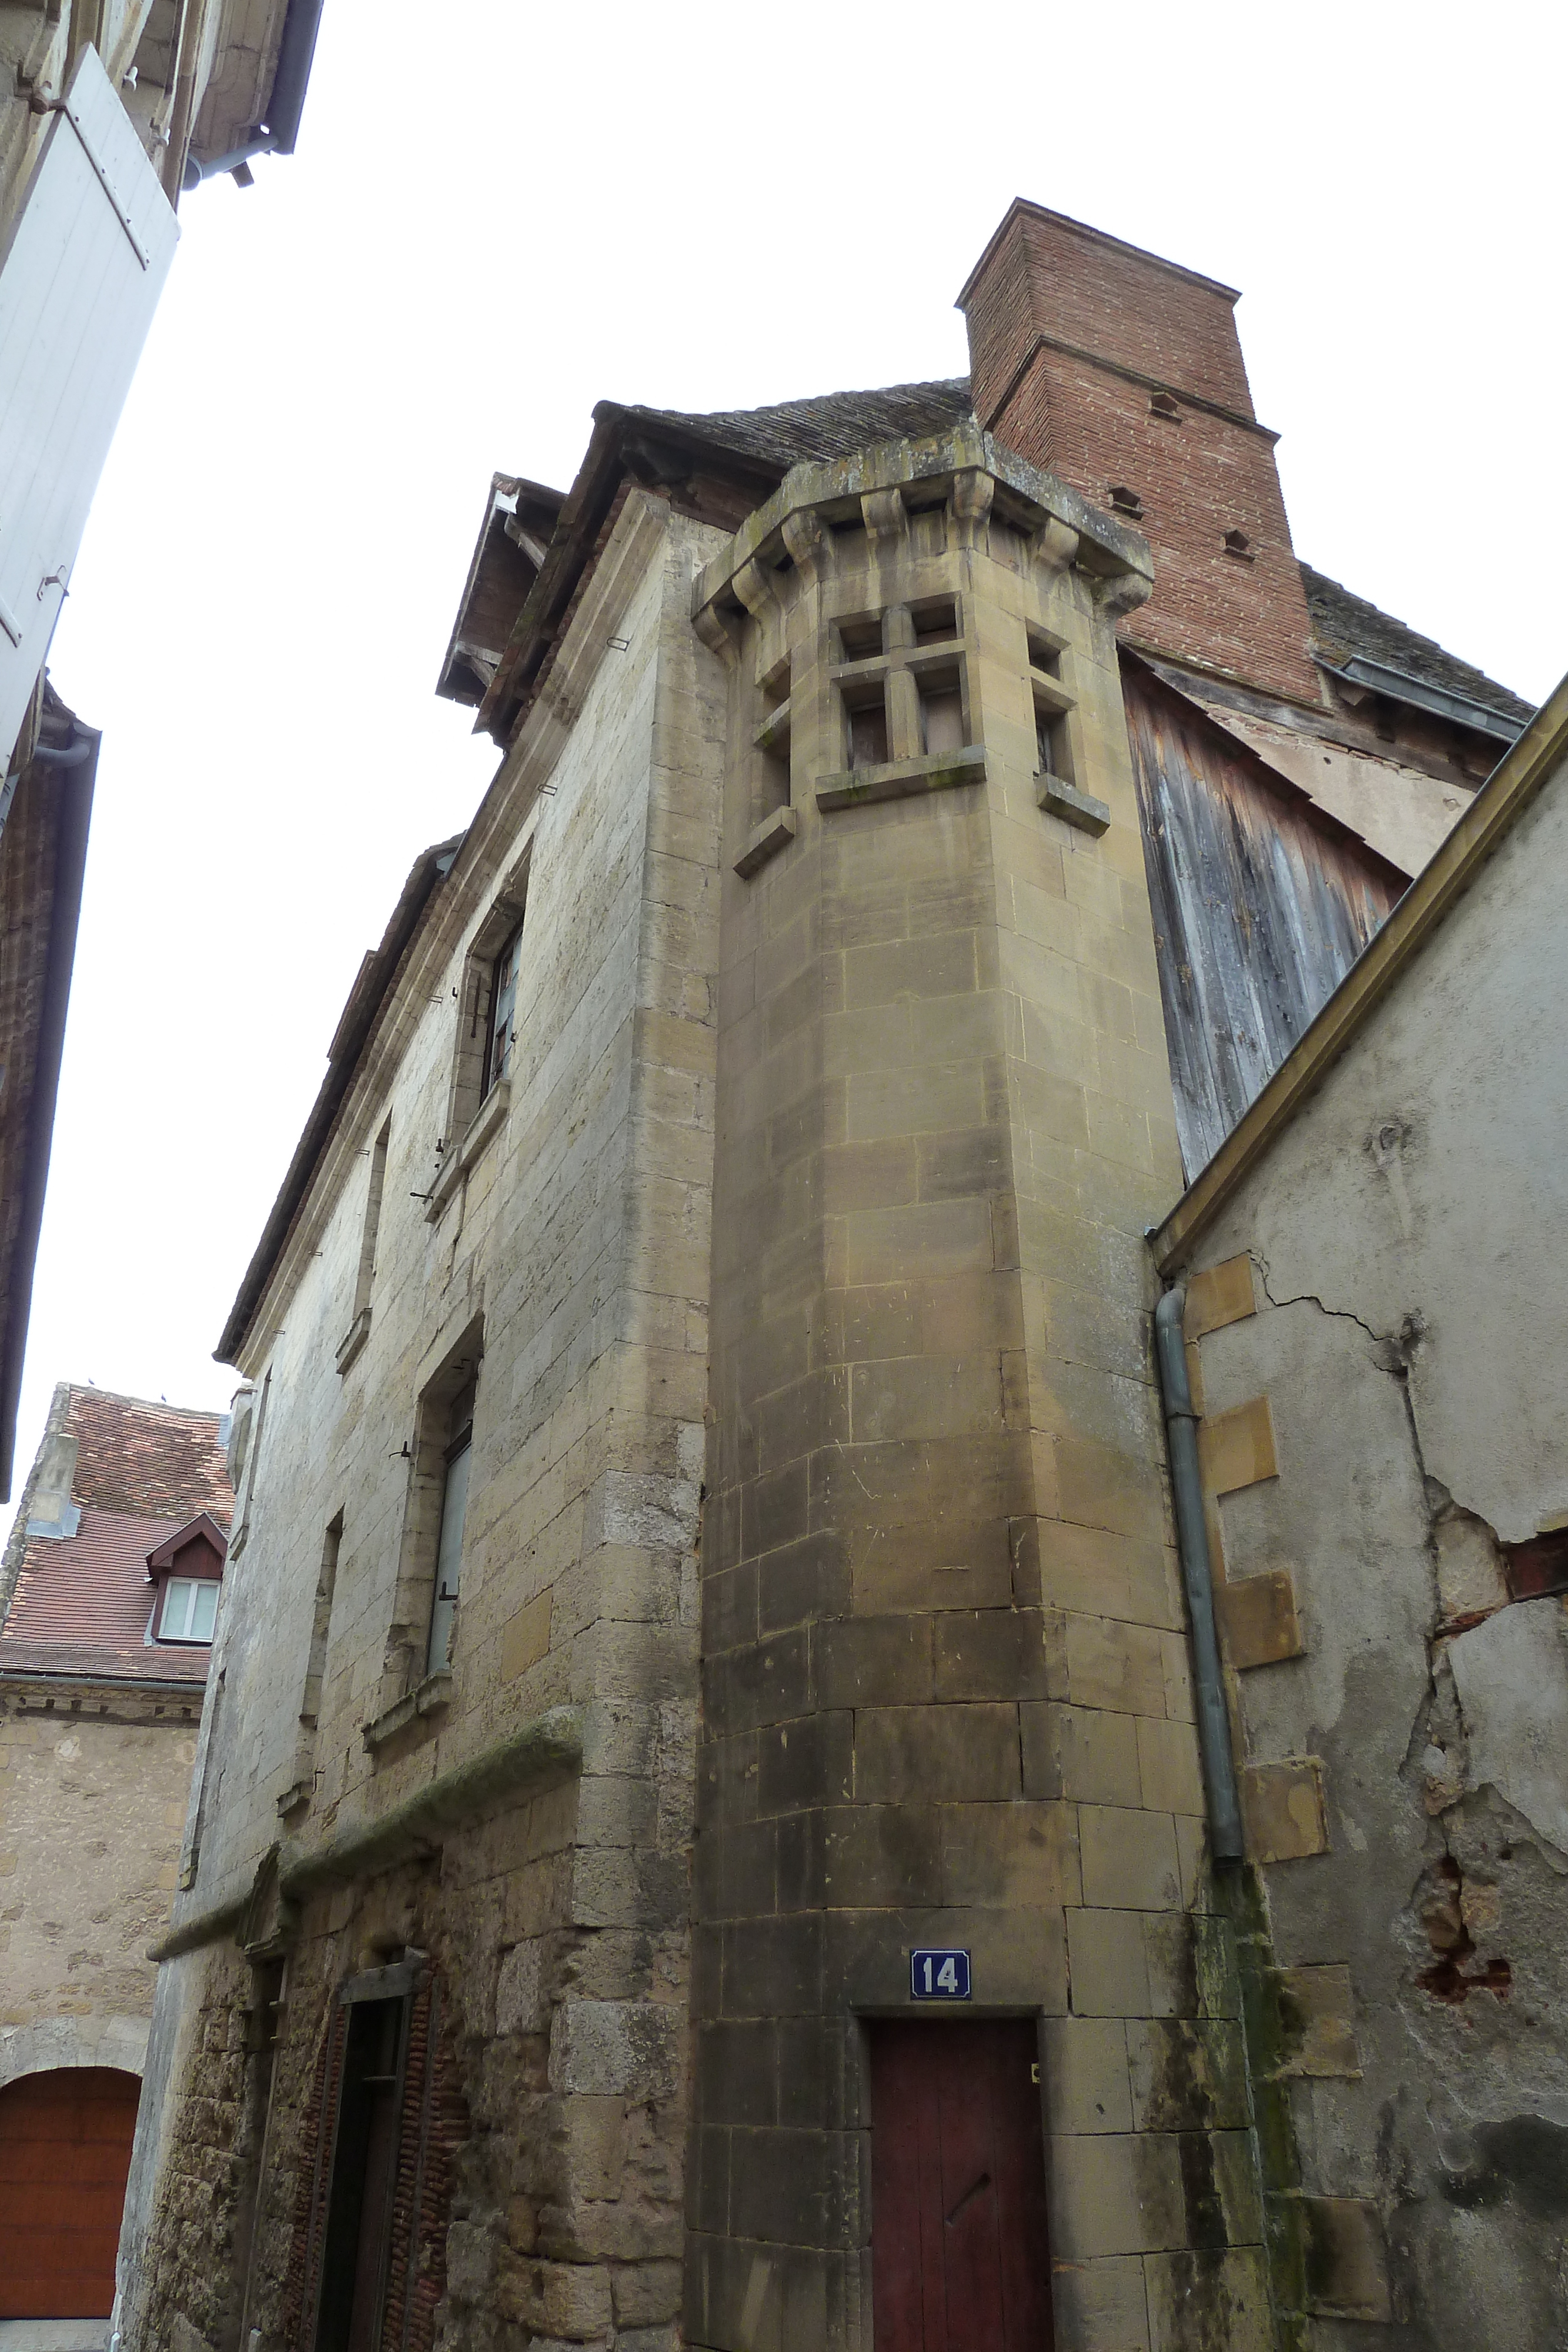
x=184 y=1663
x=81 y=1602
x=89 y=1587
x=155 y=1460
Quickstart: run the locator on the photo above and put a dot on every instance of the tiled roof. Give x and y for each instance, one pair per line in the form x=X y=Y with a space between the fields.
x=81 y=1602
x=1344 y=627
x=156 y=1461
x=834 y=425
x=186 y=1664
x=91 y=1586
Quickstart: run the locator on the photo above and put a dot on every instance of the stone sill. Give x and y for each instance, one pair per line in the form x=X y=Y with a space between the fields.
x=296 y=1797
x=428 y=1697
x=1081 y=809
x=938 y=771
x=349 y=1347
x=775 y=832
x=487 y=1120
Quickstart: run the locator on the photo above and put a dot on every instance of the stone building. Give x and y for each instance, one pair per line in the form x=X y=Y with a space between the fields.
x=108 y=1596
x=109 y=110
x=713 y=1846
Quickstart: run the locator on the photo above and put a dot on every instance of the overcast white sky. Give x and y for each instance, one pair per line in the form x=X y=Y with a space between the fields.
x=501 y=213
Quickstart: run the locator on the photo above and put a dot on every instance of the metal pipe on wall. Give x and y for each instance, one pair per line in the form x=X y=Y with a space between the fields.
x=1219 y=1781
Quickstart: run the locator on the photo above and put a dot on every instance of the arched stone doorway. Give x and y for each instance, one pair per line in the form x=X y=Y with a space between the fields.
x=65 y=2153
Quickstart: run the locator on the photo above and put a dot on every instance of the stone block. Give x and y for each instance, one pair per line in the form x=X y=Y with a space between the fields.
x=1346 y=2259
x=773 y=1967
x=646 y=2295
x=1316 y=2008
x=1171 y=1773
x=1115 y=2194
x=882 y=1855
x=1217 y=1295
x=1082 y=1754
x=1284 y=1809
x=999 y=1654
x=1215 y=2295
x=1107 y=1969
x=1186 y=2075
x=1257 y=1617
x=874 y=1662
x=1130 y=1859
x=737 y=2072
x=1021 y=1855
x=520 y=2007
x=1116 y=1665
x=1084 y=2070
x=632 y=2048
x=1101 y=2306
x=1235 y=1448
x=949 y=1754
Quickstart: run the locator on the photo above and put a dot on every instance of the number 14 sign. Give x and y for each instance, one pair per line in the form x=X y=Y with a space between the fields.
x=939 y=1976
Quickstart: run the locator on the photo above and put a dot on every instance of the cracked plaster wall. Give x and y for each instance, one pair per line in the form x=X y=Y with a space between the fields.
x=1412 y=1298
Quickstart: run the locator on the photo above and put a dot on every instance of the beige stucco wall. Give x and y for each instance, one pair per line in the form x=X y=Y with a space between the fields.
x=91 y=1816
x=1410 y=1292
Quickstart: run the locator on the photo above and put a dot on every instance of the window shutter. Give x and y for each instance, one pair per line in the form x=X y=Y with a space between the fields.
x=79 y=281
x=434 y=2125
x=317 y=2144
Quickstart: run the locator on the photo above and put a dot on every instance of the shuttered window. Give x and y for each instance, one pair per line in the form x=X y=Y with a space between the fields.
x=80 y=280
x=370 y=2239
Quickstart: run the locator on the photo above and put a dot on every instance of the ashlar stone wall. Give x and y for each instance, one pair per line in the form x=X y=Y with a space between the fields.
x=561 y=1240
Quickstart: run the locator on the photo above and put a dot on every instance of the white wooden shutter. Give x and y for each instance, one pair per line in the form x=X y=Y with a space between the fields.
x=79 y=281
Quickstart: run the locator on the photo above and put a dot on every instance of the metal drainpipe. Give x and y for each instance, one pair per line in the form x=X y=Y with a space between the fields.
x=1197 y=1575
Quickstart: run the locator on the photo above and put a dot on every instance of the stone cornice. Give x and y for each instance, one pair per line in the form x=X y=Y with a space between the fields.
x=976 y=473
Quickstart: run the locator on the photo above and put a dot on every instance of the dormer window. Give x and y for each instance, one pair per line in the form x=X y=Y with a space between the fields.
x=190 y=1609
x=186 y=1570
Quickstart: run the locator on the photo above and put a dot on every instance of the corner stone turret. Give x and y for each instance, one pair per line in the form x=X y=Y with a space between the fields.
x=946 y=1695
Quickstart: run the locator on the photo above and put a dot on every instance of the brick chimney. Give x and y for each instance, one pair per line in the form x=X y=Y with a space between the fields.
x=1123 y=374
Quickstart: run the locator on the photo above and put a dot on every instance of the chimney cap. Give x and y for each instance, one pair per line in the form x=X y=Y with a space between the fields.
x=1024 y=205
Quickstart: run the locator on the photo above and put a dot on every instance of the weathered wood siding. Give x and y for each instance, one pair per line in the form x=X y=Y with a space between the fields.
x=1260 y=905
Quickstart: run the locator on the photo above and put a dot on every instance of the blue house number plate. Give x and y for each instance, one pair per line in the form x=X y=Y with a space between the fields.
x=939 y=1976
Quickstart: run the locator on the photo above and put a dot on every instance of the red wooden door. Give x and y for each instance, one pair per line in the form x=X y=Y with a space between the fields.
x=65 y=2153
x=960 y=2259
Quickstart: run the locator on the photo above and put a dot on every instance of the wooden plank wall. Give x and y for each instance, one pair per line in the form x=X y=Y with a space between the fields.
x=1261 y=904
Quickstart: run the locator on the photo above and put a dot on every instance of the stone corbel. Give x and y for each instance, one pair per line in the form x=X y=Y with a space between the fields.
x=718 y=640
x=1120 y=592
x=970 y=501
x=885 y=514
x=810 y=543
x=756 y=591
x=1054 y=546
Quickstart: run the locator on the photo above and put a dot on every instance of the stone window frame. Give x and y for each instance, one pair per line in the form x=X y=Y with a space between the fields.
x=409 y=1692
x=358 y=1329
x=909 y=657
x=476 y=1112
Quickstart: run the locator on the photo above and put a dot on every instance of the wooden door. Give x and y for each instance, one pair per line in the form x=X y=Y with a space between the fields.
x=960 y=2260
x=65 y=2153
